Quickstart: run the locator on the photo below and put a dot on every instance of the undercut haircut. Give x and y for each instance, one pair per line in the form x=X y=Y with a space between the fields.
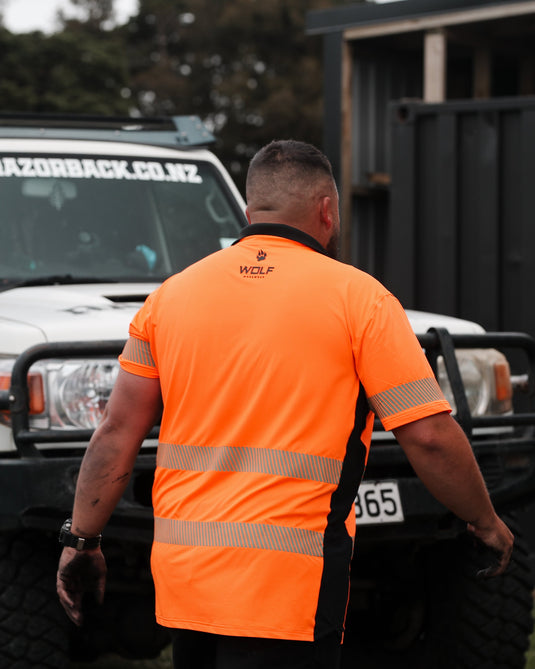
x=284 y=168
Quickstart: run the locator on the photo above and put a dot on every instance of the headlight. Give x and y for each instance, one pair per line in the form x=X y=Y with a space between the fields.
x=486 y=379
x=79 y=390
x=65 y=394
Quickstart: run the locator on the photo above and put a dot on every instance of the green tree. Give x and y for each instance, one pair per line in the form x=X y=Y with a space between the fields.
x=245 y=67
x=73 y=71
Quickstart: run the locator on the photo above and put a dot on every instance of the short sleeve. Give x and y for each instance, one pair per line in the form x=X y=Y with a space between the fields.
x=136 y=356
x=392 y=366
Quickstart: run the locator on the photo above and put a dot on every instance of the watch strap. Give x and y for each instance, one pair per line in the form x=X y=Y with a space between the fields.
x=67 y=538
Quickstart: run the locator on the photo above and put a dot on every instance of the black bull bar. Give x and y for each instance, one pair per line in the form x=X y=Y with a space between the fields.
x=436 y=342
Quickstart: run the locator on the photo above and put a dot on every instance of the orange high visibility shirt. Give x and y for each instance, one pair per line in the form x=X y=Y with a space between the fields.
x=268 y=354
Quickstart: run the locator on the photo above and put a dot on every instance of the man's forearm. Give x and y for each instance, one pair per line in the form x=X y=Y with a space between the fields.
x=133 y=408
x=103 y=477
x=443 y=460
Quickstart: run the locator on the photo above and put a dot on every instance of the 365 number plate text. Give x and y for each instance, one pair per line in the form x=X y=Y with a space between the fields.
x=378 y=502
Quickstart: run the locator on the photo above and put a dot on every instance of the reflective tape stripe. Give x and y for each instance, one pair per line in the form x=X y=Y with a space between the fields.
x=406 y=396
x=138 y=351
x=238 y=535
x=249 y=460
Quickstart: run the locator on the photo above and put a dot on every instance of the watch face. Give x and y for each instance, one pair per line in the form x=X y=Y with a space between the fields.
x=64 y=537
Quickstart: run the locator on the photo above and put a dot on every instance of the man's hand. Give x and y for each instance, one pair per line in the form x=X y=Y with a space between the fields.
x=80 y=574
x=498 y=539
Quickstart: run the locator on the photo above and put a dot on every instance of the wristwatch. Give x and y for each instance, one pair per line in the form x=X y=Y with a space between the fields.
x=67 y=538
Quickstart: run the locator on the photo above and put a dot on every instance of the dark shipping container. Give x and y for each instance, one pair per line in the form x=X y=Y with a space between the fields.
x=460 y=233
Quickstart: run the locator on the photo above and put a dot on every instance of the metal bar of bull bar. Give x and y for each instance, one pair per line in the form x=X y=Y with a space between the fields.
x=436 y=342
x=439 y=342
x=18 y=399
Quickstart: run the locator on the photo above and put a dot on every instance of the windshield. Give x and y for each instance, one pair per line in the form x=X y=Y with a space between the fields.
x=116 y=219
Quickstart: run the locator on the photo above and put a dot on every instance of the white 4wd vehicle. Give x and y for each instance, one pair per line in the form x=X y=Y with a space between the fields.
x=95 y=214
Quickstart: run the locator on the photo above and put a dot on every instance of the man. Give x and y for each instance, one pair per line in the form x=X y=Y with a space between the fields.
x=266 y=357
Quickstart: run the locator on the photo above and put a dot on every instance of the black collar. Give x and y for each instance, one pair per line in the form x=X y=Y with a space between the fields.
x=281 y=230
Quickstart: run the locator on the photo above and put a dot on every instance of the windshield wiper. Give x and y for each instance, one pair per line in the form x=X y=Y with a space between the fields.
x=51 y=280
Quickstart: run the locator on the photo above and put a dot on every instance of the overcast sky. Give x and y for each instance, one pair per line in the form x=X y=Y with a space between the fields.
x=26 y=15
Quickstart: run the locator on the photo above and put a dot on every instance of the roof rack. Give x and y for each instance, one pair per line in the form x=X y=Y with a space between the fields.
x=182 y=131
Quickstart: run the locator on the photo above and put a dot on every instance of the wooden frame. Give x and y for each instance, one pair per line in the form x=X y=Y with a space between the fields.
x=346 y=169
x=435 y=52
x=434 y=21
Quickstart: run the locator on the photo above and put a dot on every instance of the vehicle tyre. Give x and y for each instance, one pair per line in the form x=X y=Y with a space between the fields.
x=33 y=626
x=443 y=616
x=479 y=623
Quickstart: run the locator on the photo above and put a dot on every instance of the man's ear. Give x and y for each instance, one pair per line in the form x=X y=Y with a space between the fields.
x=248 y=215
x=326 y=212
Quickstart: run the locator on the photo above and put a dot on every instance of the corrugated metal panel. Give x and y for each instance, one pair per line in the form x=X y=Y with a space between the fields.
x=461 y=232
x=376 y=81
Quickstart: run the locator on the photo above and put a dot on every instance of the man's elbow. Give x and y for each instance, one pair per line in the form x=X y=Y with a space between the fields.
x=431 y=435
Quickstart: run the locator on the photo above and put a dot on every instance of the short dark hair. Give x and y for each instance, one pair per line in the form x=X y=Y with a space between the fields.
x=291 y=153
x=281 y=163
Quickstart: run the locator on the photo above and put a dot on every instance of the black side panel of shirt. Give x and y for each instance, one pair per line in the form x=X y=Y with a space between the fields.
x=338 y=545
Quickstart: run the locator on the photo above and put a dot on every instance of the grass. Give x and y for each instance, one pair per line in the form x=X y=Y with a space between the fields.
x=530 y=655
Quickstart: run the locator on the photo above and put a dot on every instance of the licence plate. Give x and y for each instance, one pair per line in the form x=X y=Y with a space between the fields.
x=378 y=502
